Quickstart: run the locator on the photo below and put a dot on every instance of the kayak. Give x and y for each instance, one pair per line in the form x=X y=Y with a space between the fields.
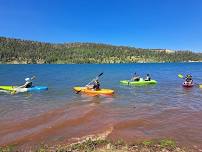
x=8 y=88
x=15 y=88
x=91 y=91
x=187 y=85
x=200 y=86
x=141 y=82
x=37 y=88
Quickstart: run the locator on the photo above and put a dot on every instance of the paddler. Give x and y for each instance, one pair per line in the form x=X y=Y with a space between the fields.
x=95 y=85
x=28 y=83
x=148 y=78
x=188 y=79
x=135 y=77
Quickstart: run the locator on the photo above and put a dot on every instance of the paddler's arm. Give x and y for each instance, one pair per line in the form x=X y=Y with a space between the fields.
x=89 y=86
x=23 y=86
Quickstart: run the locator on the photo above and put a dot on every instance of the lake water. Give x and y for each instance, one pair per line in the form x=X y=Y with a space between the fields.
x=165 y=110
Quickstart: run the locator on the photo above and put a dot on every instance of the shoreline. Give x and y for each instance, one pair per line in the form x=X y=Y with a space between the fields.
x=102 y=144
x=24 y=63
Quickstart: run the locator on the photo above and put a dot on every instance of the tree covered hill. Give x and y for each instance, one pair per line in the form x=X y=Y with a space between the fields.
x=24 y=51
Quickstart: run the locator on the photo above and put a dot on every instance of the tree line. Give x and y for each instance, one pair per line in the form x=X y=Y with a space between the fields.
x=31 y=52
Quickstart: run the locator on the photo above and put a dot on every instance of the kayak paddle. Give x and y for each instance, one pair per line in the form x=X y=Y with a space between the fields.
x=97 y=77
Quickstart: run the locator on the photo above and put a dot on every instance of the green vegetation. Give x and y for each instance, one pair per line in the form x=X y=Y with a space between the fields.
x=88 y=145
x=147 y=143
x=23 y=51
x=167 y=143
x=103 y=145
x=162 y=143
x=9 y=148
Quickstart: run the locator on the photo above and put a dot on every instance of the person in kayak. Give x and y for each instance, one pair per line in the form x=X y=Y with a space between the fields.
x=135 y=77
x=148 y=78
x=95 y=85
x=28 y=83
x=188 y=79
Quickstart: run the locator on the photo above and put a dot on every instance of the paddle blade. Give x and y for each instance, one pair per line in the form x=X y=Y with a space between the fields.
x=100 y=74
x=77 y=92
x=180 y=76
x=96 y=77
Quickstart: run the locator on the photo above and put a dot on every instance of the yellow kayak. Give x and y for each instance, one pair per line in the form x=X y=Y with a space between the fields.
x=200 y=86
x=7 y=88
x=92 y=91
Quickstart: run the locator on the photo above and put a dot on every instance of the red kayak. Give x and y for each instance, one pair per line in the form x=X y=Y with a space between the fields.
x=187 y=84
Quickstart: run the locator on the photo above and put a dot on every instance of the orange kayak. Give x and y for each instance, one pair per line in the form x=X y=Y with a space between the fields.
x=92 y=91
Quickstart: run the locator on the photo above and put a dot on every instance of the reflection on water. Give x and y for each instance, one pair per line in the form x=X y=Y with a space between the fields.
x=165 y=110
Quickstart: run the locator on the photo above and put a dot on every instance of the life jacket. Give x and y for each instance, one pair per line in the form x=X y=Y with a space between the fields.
x=96 y=86
x=29 y=85
x=148 y=78
x=188 y=78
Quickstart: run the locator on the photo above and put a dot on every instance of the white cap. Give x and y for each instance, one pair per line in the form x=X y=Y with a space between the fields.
x=27 y=79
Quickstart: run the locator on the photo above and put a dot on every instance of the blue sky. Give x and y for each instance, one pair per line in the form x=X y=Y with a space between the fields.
x=172 y=24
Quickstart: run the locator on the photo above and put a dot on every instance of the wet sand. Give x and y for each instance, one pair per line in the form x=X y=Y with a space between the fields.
x=73 y=122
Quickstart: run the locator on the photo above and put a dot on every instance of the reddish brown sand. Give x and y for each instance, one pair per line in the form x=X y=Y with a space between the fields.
x=67 y=124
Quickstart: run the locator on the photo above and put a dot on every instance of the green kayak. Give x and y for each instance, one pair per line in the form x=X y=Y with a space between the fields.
x=141 y=82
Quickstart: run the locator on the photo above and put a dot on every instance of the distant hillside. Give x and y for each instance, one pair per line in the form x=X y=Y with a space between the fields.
x=23 y=51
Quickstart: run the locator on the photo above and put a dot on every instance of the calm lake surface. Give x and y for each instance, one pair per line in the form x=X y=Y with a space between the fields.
x=165 y=110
